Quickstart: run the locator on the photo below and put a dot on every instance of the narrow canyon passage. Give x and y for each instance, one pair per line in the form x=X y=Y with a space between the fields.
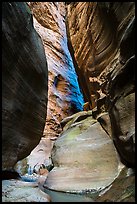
x=69 y=103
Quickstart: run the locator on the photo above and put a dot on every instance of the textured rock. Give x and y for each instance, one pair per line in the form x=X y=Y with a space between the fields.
x=84 y=158
x=71 y=120
x=39 y=159
x=101 y=41
x=102 y=37
x=24 y=84
x=121 y=190
x=122 y=112
x=20 y=191
x=104 y=120
x=64 y=95
x=95 y=31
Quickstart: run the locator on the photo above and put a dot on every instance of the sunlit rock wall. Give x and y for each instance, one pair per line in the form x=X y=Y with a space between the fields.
x=65 y=97
x=102 y=40
x=24 y=84
x=95 y=33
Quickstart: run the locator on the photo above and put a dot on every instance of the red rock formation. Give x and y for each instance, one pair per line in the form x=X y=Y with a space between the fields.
x=64 y=94
x=100 y=36
x=102 y=40
x=24 y=84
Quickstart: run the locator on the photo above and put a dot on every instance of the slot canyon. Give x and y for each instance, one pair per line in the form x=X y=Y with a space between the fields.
x=68 y=101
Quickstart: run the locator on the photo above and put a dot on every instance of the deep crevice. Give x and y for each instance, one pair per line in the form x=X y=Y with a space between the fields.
x=81 y=80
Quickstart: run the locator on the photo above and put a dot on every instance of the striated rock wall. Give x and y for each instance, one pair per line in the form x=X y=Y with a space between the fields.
x=84 y=157
x=24 y=84
x=95 y=33
x=102 y=39
x=65 y=97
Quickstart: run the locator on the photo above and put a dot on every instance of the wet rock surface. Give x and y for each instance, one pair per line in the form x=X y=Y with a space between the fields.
x=20 y=191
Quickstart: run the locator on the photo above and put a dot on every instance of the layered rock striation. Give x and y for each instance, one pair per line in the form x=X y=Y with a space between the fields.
x=98 y=39
x=24 y=84
x=84 y=157
x=101 y=36
x=65 y=97
x=95 y=31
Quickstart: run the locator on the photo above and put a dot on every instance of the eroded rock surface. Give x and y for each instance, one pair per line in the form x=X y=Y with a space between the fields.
x=121 y=190
x=95 y=31
x=39 y=160
x=24 y=84
x=122 y=112
x=84 y=158
x=64 y=94
x=102 y=37
x=101 y=41
x=20 y=191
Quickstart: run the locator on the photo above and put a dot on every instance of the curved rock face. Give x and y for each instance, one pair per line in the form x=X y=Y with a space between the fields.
x=84 y=157
x=24 y=84
x=65 y=97
x=102 y=40
x=122 y=112
x=95 y=31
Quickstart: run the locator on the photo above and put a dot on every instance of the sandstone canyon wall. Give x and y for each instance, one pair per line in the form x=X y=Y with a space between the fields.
x=102 y=41
x=24 y=84
x=65 y=97
x=87 y=42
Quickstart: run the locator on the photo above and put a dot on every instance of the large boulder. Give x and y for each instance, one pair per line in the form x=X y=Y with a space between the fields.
x=84 y=158
x=24 y=84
